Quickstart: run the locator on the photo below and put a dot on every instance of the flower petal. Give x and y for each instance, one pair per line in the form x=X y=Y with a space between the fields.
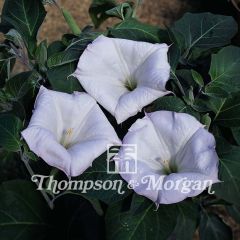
x=149 y=148
x=199 y=155
x=174 y=129
x=52 y=111
x=160 y=135
x=131 y=103
x=183 y=186
x=177 y=137
x=101 y=72
x=134 y=53
x=94 y=136
x=154 y=72
x=45 y=113
x=84 y=153
x=139 y=180
x=71 y=120
x=108 y=64
x=44 y=144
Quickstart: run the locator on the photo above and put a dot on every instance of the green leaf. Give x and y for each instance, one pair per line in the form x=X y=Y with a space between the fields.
x=174 y=55
x=23 y=213
x=75 y=219
x=6 y=64
x=4 y=71
x=201 y=104
x=49 y=1
x=11 y=166
x=67 y=38
x=213 y=228
x=28 y=154
x=204 y=30
x=139 y=204
x=26 y=17
x=228 y=172
x=134 y=30
x=214 y=104
x=94 y=202
x=188 y=83
x=206 y=120
x=234 y=212
x=18 y=109
x=97 y=11
x=228 y=111
x=55 y=47
x=197 y=78
x=62 y=58
x=187 y=220
x=73 y=51
x=148 y=224
x=96 y=205
x=19 y=85
x=41 y=55
x=10 y=127
x=172 y=103
x=224 y=72
x=98 y=172
x=60 y=80
x=236 y=134
x=14 y=36
x=122 y=11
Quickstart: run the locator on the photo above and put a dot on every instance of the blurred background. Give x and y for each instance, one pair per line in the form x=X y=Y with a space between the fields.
x=157 y=12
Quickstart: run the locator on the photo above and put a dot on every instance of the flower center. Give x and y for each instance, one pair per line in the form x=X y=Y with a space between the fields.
x=66 y=137
x=168 y=167
x=130 y=84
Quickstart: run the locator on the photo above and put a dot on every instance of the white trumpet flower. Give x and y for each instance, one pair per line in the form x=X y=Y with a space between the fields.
x=68 y=131
x=124 y=75
x=172 y=149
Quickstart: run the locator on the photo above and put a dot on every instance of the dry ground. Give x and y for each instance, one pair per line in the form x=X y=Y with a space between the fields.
x=157 y=12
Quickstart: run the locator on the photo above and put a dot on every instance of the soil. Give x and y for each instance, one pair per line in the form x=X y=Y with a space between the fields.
x=157 y=12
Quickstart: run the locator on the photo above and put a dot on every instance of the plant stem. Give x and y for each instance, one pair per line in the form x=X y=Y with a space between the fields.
x=71 y=22
x=28 y=167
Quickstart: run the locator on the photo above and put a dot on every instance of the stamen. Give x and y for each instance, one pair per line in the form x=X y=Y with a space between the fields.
x=167 y=167
x=130 y=84
x=67 y=134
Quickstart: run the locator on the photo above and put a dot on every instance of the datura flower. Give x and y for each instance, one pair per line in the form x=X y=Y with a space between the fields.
x=175 y=157
x=68 y=131
x=124 y=75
